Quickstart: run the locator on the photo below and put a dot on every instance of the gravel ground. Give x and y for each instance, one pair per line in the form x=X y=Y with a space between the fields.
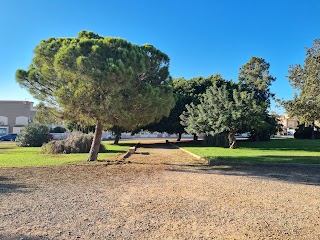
x=162 y=194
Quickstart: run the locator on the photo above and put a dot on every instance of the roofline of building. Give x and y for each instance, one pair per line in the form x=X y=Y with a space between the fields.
x=15 y=101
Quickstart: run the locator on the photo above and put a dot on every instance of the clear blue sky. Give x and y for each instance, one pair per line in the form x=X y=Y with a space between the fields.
x=201 y=37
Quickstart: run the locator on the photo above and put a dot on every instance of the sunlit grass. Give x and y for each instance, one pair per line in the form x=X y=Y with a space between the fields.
x=276 y=150
x=13 y=156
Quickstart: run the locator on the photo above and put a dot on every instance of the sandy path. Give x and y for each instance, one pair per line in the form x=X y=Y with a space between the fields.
x=162 y=194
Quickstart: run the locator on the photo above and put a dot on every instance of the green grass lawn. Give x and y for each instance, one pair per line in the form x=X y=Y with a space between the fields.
x=13 y=156
x=276 y=150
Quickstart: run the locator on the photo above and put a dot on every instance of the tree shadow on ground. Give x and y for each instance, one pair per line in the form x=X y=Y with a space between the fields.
x=156 y=145
x=20 y=236
x=127 y=144
x=7 y=186
x=302 y=174
x=268 y=159
x=114 y=151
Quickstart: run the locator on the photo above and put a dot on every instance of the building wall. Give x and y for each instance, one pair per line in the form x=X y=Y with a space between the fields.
x=15 y=114
x=289 y=123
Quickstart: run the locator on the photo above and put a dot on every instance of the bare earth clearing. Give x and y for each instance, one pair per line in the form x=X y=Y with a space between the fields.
x=162 y=194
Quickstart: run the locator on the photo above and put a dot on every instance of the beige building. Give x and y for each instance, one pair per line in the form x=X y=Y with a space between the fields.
x=14 y=115
x=289 y=123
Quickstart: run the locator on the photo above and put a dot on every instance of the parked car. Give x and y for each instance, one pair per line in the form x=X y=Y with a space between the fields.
x=245 y=135
x=9 y=137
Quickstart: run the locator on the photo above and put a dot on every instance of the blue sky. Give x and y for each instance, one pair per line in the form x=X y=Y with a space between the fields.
x=201 y=37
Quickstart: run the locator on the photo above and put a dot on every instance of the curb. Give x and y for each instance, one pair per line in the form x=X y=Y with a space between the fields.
x=128 y=153
x=190 y=153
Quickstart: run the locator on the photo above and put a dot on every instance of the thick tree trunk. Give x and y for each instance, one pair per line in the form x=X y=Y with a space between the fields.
x=116 y=139
x=195 y=137
x=93 y=154
x=232 y=138
x=179 y=137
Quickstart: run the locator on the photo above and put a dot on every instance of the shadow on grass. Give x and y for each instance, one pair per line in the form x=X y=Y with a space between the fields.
x=113 y=151
x=6 y=147
x=7 y=186
x=302 y=174
x=126 y=144
x=270 y=159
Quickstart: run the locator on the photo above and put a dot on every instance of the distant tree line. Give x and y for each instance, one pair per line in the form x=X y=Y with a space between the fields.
x=110 y=83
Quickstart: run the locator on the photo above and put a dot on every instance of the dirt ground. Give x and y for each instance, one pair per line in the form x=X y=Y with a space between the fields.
x=163 y=193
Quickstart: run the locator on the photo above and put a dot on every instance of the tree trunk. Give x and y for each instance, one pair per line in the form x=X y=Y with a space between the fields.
x=232 y=138
x=117 y=133
x=312 y=133
x=116 y=139
x=257 y=137
x=195 y=137
x=179 y=137
x=94 y=150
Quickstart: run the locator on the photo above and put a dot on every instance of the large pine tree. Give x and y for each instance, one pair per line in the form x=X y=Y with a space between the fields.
x=99 y=80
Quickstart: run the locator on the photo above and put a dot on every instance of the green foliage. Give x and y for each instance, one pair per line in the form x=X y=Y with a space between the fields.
x=216 y=140
x=33 y=135
x=305 y=81
x=305 y=132
x=269 y=127
x=255 y=77
x=80 y=127
x=223 y=108
x=185 y=92
x=58 y=130
x=46 y=114
x=102 y=81
x=77 y=143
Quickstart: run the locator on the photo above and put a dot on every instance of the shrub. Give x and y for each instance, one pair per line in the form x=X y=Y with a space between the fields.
x=266 y=130
x=77 y=143
x=217 y=140
x=264 y=135
x=58 y=130
x=33 y=135
x=303 y=132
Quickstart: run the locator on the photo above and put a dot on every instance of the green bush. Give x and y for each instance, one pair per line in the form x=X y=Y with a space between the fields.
x=217 y=140
x=77 y=143
x=58 y=130
x=305 y=132
x=33 y=135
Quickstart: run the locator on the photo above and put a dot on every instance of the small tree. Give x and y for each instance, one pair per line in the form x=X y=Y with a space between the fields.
x=226 y=108
x=33 y=135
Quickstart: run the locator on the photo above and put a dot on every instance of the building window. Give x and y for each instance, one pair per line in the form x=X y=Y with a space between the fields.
x=3 y=120
x=22 y=120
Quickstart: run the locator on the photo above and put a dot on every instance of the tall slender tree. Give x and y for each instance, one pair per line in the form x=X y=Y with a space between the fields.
x=305 y=80
x=255 y=76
